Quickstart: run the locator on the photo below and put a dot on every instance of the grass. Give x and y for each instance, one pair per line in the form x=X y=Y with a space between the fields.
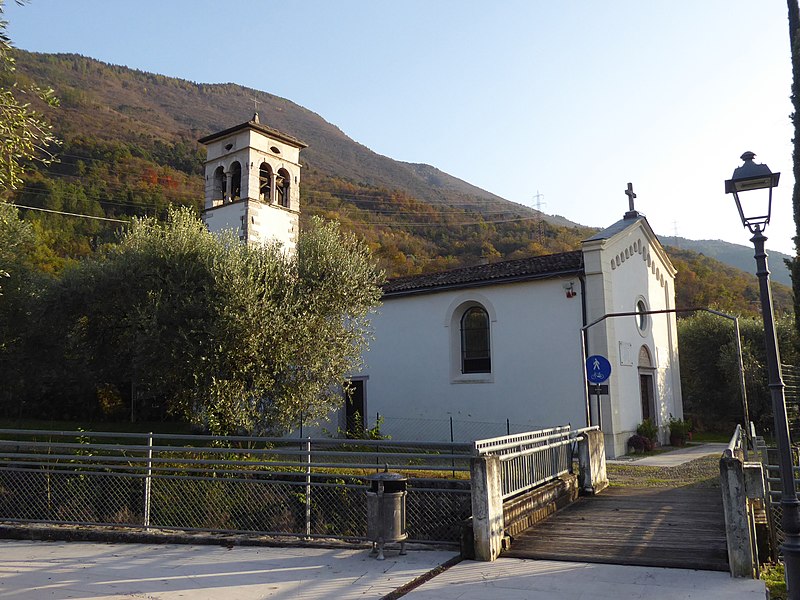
x=773 y=576
x=701 y=472
x=711 y=436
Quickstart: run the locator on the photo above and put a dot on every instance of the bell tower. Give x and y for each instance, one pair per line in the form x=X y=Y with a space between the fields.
x=252 y=183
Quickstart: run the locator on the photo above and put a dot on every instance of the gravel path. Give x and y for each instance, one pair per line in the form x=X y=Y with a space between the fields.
x=702 y=472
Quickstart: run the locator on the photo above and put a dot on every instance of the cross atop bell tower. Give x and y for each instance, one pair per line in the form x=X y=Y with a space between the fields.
x=252 y=175
x=632 y=212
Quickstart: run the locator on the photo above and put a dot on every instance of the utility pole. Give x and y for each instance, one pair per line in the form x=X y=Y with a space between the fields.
x=539 y=220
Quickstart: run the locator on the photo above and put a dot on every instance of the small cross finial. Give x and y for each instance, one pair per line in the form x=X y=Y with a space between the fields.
x=632 y=213
x=255 y=103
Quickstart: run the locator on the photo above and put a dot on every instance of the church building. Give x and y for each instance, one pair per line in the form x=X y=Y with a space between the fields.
x=497 y=347
x=505 y=344
x=252 y=175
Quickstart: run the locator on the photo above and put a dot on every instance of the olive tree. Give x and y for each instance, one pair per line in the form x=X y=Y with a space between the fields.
x=235 y=337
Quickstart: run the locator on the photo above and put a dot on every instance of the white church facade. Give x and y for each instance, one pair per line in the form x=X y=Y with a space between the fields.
x=505 y=343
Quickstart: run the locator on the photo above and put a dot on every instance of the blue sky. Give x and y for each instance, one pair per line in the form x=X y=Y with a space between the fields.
x=570 y=99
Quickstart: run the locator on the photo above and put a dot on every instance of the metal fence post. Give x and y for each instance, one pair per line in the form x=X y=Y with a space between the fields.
x=308 y=487
x=452 y=461
x=148 y=480
x=378 y=449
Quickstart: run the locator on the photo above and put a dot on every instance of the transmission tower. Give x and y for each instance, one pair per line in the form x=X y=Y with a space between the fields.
x=539 y=220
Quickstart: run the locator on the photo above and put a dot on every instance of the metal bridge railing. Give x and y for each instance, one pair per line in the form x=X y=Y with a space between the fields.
x=531 y=459
x=736 y=444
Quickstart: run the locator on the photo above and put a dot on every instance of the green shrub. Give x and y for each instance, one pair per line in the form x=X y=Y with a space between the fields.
x=679 y=431
x=648 y=429
x=640 y=443
x=773 y=576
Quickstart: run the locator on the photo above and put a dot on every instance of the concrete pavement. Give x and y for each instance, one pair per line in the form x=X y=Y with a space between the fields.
x=673 y=458
x=38 y=570
x=519 y=579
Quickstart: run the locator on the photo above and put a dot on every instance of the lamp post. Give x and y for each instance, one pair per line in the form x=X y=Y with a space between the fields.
x=752 y=177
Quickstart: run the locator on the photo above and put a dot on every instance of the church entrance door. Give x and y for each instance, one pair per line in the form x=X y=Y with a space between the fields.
x=354 y=408
x=647 y=391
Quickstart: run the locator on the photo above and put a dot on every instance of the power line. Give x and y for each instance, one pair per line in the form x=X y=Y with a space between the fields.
x=61 y=212
x=46 y=194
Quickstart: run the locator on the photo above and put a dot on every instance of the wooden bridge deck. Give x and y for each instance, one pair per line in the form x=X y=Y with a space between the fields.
x=660 y=527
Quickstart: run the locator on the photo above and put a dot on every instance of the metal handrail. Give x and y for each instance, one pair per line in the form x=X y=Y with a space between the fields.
x=735 y=443
x=534 y=450
x=282 y=441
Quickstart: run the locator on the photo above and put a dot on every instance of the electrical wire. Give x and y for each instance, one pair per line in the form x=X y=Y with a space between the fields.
x=61 y=212
x=357 y=199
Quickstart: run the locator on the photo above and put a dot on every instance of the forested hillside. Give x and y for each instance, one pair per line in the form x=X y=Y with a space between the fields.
x=734 y=255
x=129 y=149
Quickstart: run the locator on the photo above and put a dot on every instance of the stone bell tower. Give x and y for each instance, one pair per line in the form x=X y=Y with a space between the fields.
x=252 y=175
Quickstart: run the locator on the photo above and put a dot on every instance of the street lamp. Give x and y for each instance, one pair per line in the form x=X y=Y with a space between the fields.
x=757 y=178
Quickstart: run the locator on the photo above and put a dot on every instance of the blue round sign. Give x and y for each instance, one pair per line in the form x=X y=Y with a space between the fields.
x=598 y=369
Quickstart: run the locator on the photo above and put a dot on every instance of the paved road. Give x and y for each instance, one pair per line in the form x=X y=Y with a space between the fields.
x=40 y=570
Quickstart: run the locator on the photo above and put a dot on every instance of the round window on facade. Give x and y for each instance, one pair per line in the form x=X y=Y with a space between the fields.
x=642 y=320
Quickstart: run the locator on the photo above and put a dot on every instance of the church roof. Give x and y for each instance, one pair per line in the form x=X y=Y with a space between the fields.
x=256 y=125
x=612 y=230
x=508 y=271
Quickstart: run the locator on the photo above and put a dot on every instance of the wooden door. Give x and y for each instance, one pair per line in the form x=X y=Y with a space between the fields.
x=647 y=391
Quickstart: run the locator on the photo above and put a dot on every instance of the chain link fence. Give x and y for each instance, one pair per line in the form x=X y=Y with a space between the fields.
x=304 y=488
x=770 y=460
x=769 y=455
x=448 y=430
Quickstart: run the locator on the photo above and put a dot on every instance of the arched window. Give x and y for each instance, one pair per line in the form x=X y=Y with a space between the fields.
x=220 y=184
x=264 y=182
x=236 y=181
x=475 y=355
x=641 y=316
x=282 y=181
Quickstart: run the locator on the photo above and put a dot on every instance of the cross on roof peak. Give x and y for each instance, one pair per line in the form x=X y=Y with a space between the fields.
x=632 y=212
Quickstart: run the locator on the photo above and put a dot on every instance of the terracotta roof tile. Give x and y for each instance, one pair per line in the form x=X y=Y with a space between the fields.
x=536 y=267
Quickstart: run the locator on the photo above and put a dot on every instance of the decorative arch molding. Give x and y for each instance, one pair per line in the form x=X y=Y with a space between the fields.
x=645 y=358
x=642 y=250
x=471 y=298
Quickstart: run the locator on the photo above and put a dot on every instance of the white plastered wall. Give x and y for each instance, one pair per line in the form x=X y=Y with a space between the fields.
x=537 y=365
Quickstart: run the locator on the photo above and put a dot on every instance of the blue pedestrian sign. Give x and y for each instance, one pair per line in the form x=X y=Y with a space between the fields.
x=598 y=369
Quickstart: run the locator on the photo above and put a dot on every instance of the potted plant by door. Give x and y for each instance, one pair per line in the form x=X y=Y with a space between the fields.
x=679 y=431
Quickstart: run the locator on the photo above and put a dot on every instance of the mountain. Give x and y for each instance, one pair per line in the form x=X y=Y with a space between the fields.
x=130 y=149
x=134 y=129
x=127 y=102
x=734 y=255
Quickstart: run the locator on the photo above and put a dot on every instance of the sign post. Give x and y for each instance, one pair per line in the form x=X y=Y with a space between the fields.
x=598 y=370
